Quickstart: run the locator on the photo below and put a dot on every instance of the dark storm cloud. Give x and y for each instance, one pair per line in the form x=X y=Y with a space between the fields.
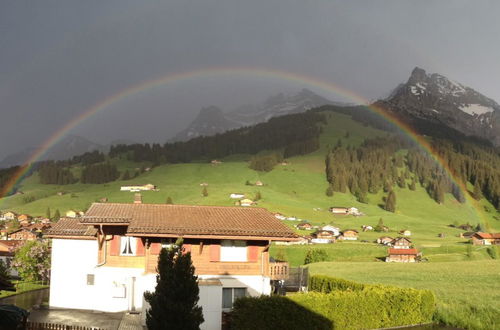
x=58 y=58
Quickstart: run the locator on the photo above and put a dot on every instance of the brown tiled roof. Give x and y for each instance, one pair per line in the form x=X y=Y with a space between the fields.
x=403 y=251
x=70 y=227
x=488 y=235
x=11 y=245
x=192 y=220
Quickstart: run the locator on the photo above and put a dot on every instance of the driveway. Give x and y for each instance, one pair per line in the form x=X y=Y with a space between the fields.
x=110 y=321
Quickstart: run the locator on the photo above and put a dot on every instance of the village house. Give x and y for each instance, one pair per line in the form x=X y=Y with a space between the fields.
x=333 y=229
x=24 y=218
x=9 y=215
x=344 y=210
x=246 y=202
x=236 y=196
x=401 y=243
x=146 y=187
x=74 y=214
x=108 y=258
x=349 y=235
x=259 y=183
x=7 y=253
x=323 y=237
x=24 y=234
x=304 y=226
x=366 y=227
x=402 y=255
x=215 y=162
x=385 y=240
x=279 y=216
x=486 y=238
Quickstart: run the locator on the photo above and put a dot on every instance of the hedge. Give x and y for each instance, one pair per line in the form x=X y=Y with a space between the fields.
x=326 y=284
x=339 y=304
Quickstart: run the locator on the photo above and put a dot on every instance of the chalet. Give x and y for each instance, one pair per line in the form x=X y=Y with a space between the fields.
x=366 y=227
x=237 y=196
x=323 y=237
x=486 y=238
x=24 y=218
x=9 y=215
x=215 y=162
x=259 y=183
x=279 y=216
x=246 y=202
x=401 y=243
x=108 y=258
x=349 y=235
x=103 y=199
x=402 y=255
x=304 y=226
x=146 y=187
x=7 y=252
x=385 y=240
x=333 y=229
x=345 y=210
x=203 y=184
x=24 y=234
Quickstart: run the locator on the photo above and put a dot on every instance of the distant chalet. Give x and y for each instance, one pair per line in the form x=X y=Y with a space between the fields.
x=146 y=187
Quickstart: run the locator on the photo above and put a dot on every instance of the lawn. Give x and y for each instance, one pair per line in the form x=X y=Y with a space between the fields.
x=22 y=287
x=468 y=292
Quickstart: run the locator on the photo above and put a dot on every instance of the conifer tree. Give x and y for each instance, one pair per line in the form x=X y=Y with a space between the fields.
x=258 y=196
x=174 y=303
x=57 y=216
x=390 y=202
x=204 y=192
x=329 y=191
x=47 y=213
x=126 y=175
x=169 y=200
x=412 y=185
x=477 y=193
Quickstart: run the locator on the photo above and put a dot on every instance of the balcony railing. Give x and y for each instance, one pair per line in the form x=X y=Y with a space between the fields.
x=279 y=270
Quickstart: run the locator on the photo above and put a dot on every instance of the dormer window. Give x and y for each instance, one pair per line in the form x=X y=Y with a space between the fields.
x=128 y=246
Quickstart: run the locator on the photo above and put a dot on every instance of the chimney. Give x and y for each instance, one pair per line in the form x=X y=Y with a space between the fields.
x=137 y=198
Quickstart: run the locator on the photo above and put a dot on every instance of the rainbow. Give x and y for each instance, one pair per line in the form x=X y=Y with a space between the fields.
x=229 y=72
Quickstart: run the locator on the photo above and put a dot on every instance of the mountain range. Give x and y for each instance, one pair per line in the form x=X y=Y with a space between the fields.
x=213 y=120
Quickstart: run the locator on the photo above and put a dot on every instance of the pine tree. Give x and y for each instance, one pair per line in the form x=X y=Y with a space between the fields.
x=126 y=175
x=173 y=304
x=57 y=216
x=380 y=226
x=390 y=202
x=413 y=185
x=47 y=213
x=169 y=200
x=258 y=196
x=477 y=193
x=204 y=192
x=329 y=191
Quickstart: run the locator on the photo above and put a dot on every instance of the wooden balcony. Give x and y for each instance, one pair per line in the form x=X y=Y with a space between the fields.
x=279 y=270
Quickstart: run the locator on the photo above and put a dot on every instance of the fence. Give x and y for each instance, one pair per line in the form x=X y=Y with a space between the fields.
x=53 y=326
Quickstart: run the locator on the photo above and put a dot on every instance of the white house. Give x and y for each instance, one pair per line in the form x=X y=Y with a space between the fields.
x=108 y=257
x=333 y=229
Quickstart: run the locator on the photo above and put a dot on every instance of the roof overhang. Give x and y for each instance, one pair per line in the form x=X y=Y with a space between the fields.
x=250 y=238
x=70 y=237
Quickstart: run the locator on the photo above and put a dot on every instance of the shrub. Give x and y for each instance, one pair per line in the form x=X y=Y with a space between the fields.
x=493 y=252
x=327 y=284
x=275 y=312
x=315 y=255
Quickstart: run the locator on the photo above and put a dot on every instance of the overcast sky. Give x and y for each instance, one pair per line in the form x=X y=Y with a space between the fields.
x=59 y=58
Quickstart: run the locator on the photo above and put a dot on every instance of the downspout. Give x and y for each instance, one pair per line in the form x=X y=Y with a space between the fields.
x=105 y=247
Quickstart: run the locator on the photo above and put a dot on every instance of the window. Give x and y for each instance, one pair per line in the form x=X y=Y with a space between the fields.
x=128 y=246
x=229 y=296
x=232 y=250
x=90 y=279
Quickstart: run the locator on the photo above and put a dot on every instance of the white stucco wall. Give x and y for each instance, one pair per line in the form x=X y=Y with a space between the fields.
x=72 y=260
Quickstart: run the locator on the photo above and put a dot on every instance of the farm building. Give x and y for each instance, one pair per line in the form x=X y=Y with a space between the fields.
x=349 y=235
x=344 y=210
x=486 y=238
x=8 y=216
x=333 y=229
x=230 y=257
x=74 y=214
x=146 y=187
x=237 y=196
x=259 y=183
x=401 y=243
x=405 y=232
x=385 y=240
x=323 y=237
x=246 y=202
x=304 y=226
x=402 y=255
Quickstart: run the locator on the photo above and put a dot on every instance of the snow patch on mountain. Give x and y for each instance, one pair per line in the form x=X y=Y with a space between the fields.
x=475 y=109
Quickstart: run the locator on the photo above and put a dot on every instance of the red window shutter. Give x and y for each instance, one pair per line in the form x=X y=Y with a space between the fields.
x=155 y=248
x=187 y=248
x=115 y=246
x=140 y=247
x=253 y=253
x=214 y=252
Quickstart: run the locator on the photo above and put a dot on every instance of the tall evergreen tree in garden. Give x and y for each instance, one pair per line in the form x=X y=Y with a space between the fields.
x=57 y=216
x=174 y=301
x=390 y=202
